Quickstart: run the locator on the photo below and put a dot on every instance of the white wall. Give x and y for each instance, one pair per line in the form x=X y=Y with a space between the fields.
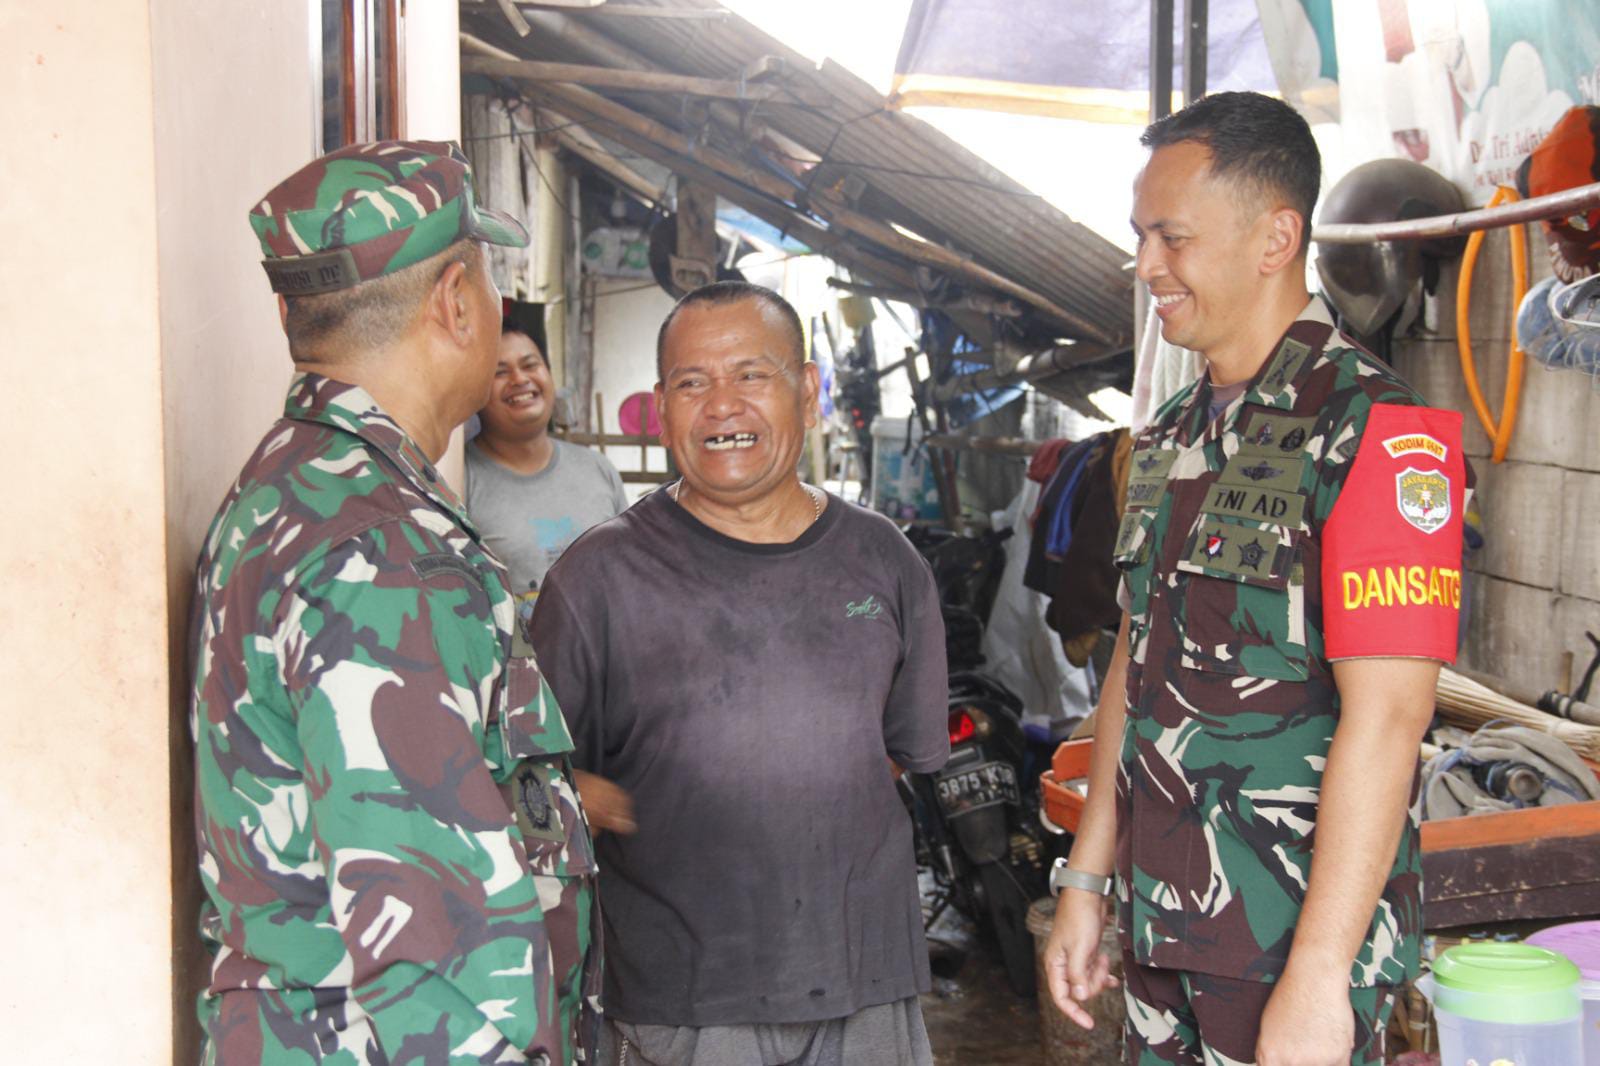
x=433 y=113
x=84 y=792
x=628 y=312
x=433 y=70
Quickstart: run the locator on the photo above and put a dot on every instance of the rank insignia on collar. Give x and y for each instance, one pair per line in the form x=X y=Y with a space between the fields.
x=1290 y=355
x=1295 y=439
x=1251 y=554
x=1214 y=543
x=1261 y=472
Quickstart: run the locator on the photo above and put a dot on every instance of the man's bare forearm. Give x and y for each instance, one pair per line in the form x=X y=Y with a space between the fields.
x=1385 y=706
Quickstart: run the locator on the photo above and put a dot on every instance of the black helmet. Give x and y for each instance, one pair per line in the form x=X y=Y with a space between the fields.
x=1367 y=283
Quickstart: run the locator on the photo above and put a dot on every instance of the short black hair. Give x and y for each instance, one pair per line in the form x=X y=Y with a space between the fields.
x=727 y=292
x=1257 y=142
x=509 y=327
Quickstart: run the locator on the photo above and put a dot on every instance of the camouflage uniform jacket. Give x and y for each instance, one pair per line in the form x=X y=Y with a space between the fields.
x=1231 y=703
x=395 y=862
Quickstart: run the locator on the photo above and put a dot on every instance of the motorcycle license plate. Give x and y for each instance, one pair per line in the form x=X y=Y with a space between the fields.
x=981 y=786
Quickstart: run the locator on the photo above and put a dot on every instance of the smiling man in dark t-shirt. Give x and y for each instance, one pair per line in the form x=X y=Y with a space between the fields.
x=743 y=653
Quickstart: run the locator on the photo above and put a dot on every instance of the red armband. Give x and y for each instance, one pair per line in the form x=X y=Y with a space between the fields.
x=1391 y=549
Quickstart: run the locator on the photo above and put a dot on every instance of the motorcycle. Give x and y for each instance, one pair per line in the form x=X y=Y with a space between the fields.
x=976 y=821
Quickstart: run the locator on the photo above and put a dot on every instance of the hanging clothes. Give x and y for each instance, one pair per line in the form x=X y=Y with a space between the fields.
x=1019 y=649
x=1074 y=530
x=1084 y=598
x=1055 y=500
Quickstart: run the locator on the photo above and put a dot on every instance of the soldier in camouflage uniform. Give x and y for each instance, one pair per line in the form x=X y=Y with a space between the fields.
x=1291 y=557
x=396 y=864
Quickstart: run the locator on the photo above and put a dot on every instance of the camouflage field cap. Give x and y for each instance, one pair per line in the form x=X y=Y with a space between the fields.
x=367 y=210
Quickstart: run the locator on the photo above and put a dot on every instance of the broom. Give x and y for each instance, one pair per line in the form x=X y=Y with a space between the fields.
x=1463 y=702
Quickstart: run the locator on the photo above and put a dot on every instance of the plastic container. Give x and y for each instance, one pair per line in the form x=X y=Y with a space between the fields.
x=1505 y=1005
x=1580 y=942
x=1063 y=803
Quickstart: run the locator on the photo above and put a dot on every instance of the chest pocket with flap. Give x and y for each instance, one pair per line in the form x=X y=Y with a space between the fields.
x=1241 y=589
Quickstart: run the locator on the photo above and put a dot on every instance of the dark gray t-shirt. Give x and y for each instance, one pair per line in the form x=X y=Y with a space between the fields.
x=528 y=520
x=749 y=697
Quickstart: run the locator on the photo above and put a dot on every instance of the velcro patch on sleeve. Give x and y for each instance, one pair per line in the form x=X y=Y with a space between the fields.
x=1391 y=549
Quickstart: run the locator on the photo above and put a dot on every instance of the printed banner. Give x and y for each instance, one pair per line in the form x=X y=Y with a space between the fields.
x=1092 y=61
x=1472 y=86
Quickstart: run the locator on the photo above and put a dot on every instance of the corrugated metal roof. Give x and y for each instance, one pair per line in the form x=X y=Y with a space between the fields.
x=913 y=174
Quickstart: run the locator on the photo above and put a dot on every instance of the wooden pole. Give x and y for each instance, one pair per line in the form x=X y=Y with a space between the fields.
x=1030 y=368
x=530 y=70
x=770 y=209
x=574 y=34
x=937 y=255
x=680 y=150
x=586 y=149
x=980 y=302
x=696 y=223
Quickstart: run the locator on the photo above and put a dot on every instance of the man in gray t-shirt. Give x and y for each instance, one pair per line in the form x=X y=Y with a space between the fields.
x=744 y=654
x=530 y=494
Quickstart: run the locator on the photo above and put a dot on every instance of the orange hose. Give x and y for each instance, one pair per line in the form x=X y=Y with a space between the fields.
x=1498 y=430
x=1518 y=362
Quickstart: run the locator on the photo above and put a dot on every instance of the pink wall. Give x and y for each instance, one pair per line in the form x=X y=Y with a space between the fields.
x=83 y=665
x=144 y=359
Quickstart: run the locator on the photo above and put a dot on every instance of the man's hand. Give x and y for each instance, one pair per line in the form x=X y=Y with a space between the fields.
x=1074 y=965
x=1308 y=1021
x=606 y=804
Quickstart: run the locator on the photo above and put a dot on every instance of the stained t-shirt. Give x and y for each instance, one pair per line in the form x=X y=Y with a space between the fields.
x=749 y=696
x=528 y=520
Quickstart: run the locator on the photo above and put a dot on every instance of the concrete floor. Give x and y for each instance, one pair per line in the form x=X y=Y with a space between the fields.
x=973 y=1017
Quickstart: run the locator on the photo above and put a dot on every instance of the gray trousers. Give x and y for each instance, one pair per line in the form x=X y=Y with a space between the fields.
x=891 y=1034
